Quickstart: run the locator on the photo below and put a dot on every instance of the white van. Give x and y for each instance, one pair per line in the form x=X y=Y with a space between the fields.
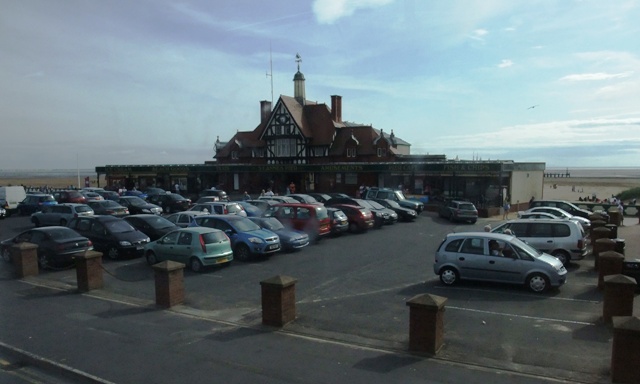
x=10 y=197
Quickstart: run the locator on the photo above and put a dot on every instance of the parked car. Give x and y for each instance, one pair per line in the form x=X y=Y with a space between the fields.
x=220 y=208
x=312 y=219
x=535 y=215
x=135 y=193
x=469 y=256
x=262 y=204
x=403 y=213
x=60 y=214
x=154 y=226
x=69 y=196
x=456 y=210
x=93 y=189
x=10 y=197
x=136 y=205
x=279 y=199
x=112 y=236
x=388 y=216
x=290 y=239
x=185 y=218
x=91 y=196
x=565 y=205
x=34 y=202
x=381 y=215
x=337 y=194
x=320 y=197
x=564 y=239
x=396 y=195
x=303 y=198
x=170 y=202
x=247 y=238
x=250 y=209
x=3 y=213
x=109 y=195
x=207 y=199
x=154 y=191
x=220 y=194
x=360 y=219
x=196 y=247
x=561 y=214
x=57 y=245
x=108 y=207
x=339 y=222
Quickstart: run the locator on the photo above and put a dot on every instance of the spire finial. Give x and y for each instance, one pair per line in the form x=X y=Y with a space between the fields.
x=298 y=60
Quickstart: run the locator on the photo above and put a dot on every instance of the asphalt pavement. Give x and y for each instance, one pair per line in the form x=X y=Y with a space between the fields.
x=114 y=335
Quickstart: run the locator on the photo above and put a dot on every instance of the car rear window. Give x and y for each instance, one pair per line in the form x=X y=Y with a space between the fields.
x=83 y=209
x=453 y=246
x=561 y=230
x=467 y=206
x=214 y=237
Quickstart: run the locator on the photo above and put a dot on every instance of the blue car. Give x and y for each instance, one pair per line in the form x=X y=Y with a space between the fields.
x=34 y=202
x=252 y=210
x=289 y=238
x=247 y=238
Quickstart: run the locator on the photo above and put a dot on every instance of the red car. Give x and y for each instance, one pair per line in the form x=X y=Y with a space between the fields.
x=360 y=219
x=312 y=219
x=70 y=196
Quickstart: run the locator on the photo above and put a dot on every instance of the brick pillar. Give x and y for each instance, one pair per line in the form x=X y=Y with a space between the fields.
x=89 y=271
x=426 y=323
x=278 y=300
x=600 y=246
x=610 y=263
x=169 y=277
x=614 y=215
x=618 y=296
x=596 y=224
x=614 y=230
x=625 y=352
x=25 y=259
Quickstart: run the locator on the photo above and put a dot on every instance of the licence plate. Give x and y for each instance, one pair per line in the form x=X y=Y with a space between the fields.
x=222 y=260
x=139 y=247
x=274 y=246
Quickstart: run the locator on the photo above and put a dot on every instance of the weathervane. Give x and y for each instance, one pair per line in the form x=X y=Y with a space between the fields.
x=298 y=60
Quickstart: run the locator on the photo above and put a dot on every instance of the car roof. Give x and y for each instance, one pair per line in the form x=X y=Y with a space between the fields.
x=488 y=235
x=555 y=220
x=198 y=229
x=73 y=205
x=304 y=205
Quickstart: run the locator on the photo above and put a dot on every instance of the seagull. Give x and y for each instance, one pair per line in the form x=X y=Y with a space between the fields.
x=533 y=106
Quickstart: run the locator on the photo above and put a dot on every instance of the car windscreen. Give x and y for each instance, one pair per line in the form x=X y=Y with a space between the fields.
x=400 y=195
x=272 y=224
x=158 y=222
x=118 y=226
x=375 y=204
x=109 y=204
x=522 y=246
x=83 y=208
x=47 y=198
x=245 y=225
x=136 y=202
x=467 y=207
x=62 y=233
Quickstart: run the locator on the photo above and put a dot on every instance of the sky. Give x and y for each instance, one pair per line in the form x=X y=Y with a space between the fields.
x=87 y=83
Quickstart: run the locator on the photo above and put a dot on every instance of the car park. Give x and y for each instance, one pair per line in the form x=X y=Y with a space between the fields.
x=34 y=202
x=108 y=207
x=468 y=256
x=312 y=219
x=112 y=236
x=247 y=238
x=404 y=214
x=564 y=239
x=339 y=223
x=185 y=218
x=396 y=195
x=10 y=197
x=60 y=214
x=561 y=214
x=562 y=204
x=170 y=202
x=457 y=210
x=69 y=196
x=136 y=205
x=154 y=226
x=220 y=208
x=196 y=247
x=57 y=245
x=360 y=219
x=290 y=239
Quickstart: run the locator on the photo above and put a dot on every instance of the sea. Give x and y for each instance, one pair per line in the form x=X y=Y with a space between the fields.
x=37 y=173
x=595 y=172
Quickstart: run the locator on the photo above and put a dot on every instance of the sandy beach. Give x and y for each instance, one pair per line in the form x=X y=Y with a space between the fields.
x=52 y=182
x=572 y=188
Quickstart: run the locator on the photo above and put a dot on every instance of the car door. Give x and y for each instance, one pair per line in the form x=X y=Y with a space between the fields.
x=165 y=248
x=228 y=229
x=540 y=236
x=471 y=260
x=505 y=267
x=100 y=237
x=183 y=248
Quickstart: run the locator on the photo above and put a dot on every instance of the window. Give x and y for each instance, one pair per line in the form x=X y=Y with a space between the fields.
x=351 y=178
x=541 y=230
x=184 y=239
x=285 y=148
x=473 y=246
x=453 y=246
x=382 y=152
x=561 y=230
x=234 y=154
x=351 y=152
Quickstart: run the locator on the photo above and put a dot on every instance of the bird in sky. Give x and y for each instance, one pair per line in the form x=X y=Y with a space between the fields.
x=533 y=106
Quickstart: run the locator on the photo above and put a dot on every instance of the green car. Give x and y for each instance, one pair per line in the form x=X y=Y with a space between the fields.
x=197 y=247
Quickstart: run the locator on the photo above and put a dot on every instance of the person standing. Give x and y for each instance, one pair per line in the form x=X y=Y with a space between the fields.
x=505 y=209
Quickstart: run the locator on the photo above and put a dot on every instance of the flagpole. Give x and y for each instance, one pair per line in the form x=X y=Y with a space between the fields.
x=78 y=169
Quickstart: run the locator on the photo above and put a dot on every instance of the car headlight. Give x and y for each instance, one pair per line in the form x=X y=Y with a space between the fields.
x=256 y=240
x=146 y=210
x=125 y=243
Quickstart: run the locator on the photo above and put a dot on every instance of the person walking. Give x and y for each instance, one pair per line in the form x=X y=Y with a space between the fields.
x=505 y=209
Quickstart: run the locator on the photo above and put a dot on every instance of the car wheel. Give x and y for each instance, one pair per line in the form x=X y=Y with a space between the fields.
x=152 y=259
x=562 y=256
x=537 y=282
x=63 y=222
x=353 y=227
x=113 y=253
x=195 y=264
x=449 y=276
x=43 y=261
x=242 y=252
x=36 y=222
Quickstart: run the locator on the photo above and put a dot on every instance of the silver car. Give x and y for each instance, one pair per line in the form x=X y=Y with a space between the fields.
x=60 y=214
x=497 y=258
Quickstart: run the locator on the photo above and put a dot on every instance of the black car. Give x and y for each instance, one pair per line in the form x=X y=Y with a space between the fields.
x=154 y=191
x=109 y=195
x=137 y=206
x=321 y=197
x=34 y=202
x=57 y=246
x=404 y=214
x=396 y=195
x=111 y=235
x=108 y=207
x=170 y=202
x=151 y=225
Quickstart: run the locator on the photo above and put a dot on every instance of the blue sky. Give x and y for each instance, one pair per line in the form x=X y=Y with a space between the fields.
x=156 y=82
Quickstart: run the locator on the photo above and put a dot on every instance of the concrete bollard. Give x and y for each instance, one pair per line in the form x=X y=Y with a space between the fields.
x=596 y=224
x=278 y=300
x=169 y=278
x=426 y=323
x=25 y=259
x=610 y=263
x=613 y=228
x=618 y=296
x=614 y=215
x=625 y=352
x=600 y=246
x=89 y=271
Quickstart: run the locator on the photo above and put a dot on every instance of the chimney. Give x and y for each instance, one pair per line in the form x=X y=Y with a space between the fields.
x=336 y=108
x=265 y=110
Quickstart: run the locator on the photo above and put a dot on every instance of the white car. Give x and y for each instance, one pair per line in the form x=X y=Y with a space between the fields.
x=562 y=214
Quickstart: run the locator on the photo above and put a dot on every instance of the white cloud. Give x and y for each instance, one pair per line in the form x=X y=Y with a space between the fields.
x=479 y=34
x=596 y=76
x=505 y=63
x=329 y=11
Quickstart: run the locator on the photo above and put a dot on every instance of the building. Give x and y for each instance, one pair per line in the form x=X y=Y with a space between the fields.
x=308 y=144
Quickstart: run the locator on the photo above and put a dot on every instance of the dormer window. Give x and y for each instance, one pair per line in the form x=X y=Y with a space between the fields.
x=234 y=155
x=351 y=152
x=382 y=152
